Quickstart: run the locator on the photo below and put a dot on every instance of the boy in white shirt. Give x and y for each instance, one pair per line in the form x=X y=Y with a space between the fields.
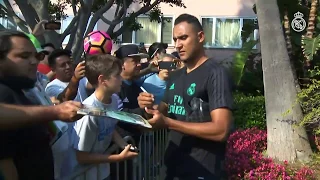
x=93 y=134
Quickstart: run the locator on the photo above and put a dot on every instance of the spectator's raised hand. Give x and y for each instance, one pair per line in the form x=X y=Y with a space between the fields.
x=153 y=66
x=39 y=28
x=67 y=111
x=79 y=72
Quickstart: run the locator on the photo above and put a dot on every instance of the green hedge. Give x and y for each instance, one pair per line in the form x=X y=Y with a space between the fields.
x=250 y=111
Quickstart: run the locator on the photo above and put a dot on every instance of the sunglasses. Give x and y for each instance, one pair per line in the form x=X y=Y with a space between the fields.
x=40 y=56
x=45 y=52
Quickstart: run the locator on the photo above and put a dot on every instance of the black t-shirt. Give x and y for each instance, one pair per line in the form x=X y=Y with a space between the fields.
x=128 y=95
x=189 y=157
x=27 y=146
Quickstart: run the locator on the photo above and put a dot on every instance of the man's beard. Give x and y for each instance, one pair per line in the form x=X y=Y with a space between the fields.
x=18 y=82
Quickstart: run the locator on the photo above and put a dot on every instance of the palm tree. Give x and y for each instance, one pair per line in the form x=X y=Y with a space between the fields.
x=285 y=140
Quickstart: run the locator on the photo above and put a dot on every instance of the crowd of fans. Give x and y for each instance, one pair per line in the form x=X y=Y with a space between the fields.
x=50 y=142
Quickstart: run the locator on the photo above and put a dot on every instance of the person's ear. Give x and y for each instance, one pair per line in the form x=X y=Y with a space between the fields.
x=201 y=36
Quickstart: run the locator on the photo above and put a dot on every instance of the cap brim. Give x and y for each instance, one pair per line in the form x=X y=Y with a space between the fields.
x=142 y=55
x=40 y=49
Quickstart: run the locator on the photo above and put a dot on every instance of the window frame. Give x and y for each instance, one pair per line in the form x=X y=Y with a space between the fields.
x=158 y=34
x=214 y=22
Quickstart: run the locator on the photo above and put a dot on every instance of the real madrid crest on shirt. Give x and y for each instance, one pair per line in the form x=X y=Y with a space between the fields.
x=298 y=24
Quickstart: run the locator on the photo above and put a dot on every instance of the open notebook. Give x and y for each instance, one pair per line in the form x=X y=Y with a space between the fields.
x=119 y=115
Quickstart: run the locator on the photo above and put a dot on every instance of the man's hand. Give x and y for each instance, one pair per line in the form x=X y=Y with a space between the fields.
x=153 y=66
x=158 y=119
x=67 y=111
x=145 y=100
x=79 y=72
x=39 y=28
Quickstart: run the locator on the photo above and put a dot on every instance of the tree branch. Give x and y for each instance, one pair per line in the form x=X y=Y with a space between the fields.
x=99 y=14
x=146 y=8
x=12 y=16
x=70 y=27
x=28 y=12
x=77 y=44
x=142 y=10
x=72 y=37
x=74 y=9
x=82 y=3
x=119 y=18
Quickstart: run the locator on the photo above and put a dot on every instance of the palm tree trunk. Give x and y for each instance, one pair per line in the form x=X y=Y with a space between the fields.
x=286 y=141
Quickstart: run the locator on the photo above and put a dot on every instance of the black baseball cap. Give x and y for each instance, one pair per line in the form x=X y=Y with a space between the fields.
x=130 y=50
x=155 y=47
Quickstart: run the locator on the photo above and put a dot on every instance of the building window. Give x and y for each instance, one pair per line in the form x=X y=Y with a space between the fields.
x=224 y=32
x=65 y=23
x=151 y=32
x=6 y=23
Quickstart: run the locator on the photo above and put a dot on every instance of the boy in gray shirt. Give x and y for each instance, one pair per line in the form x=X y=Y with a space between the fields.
x=92 y=134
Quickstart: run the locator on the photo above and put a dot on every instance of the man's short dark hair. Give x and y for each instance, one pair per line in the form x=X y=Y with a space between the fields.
x=57 y=53
x=102 y=64
x=6 y=43
x=190 y=19
x=48 y=45
x=157 y=47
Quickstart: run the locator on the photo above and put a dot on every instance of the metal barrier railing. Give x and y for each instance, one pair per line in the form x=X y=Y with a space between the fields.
x=150 y=160
x=147 y=165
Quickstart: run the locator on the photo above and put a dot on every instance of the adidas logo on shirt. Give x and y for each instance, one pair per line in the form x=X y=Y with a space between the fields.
x=125 y=100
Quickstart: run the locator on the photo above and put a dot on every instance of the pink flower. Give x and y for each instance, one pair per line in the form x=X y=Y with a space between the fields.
x=244 y=159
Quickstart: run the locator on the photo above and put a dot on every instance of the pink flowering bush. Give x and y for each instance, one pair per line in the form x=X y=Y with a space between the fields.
x=271 y=171
x=244 y=151
x=244 y=159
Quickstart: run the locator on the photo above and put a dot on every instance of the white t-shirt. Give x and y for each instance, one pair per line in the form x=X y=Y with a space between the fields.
x=55 y=87
x=94 y=134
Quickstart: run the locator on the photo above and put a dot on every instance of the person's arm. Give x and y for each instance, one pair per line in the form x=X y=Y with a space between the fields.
x=87 y=131
x=50 y=75
x=119 y=140
x=70 y=92
x=216 y=130
x=15 y=116
x=84 y=157
x=220 y=102
x=152 y=68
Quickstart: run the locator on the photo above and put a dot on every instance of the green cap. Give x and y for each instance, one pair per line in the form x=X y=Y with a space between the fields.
x=35 y=42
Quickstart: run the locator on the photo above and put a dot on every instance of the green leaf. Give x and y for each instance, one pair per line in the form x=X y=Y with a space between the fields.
x=310 y=46
x=240 y=59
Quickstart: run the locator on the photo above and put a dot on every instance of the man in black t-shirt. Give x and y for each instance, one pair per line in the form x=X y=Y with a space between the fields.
x=27 y=147
x=196 y=109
